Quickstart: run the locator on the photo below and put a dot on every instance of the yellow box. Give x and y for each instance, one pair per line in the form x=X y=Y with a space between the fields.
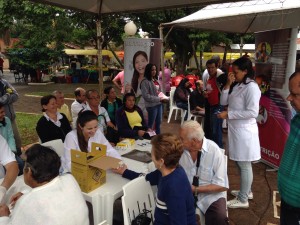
x=128 y=142
x=89 y=168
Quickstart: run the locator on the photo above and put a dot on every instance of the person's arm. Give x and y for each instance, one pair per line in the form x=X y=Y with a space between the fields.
x=42 y=130
x=12 y=171
x=71 y=142
x=10 y=96
x=145 y=88
x=181 y=95
x=110 y=151
x=117 y=81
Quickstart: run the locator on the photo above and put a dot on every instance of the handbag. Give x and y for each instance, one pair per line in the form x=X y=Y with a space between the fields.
x=142 y=218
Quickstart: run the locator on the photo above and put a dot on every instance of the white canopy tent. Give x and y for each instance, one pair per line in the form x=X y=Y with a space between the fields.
x=244 y=17
x=100 y=7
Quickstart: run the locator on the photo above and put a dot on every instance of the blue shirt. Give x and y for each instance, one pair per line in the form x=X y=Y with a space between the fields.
x=7 y=132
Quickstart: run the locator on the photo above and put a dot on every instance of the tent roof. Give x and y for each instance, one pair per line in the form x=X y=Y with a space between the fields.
x=87 y=52
x=244 y=17
x=115 y=6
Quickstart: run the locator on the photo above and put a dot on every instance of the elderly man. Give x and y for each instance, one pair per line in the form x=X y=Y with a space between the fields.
x=78 y=105
x=8 y=161
x=288 y=173
x=62 y=107
x=205 y=165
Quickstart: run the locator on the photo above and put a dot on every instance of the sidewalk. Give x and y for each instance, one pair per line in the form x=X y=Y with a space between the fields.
x=260 y=212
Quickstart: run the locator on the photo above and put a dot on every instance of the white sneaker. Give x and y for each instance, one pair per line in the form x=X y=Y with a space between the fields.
x=235 y=193
x=235 y=203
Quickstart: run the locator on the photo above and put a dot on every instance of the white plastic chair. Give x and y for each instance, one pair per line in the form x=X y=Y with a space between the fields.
x=174 y=107
x=57 y=145
x=138 y=196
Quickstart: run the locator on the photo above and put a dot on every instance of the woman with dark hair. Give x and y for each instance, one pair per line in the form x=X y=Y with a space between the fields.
x=81 y=139
x=175 y=201
x=182 y=93
x=41 y=173
x=111 y=103
x=140 y=60
x=130 y=120
x=242 y=94
x=150 y=89
x=52 y=125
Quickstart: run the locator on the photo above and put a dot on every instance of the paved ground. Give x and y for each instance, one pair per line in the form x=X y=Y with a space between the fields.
x=260 y=212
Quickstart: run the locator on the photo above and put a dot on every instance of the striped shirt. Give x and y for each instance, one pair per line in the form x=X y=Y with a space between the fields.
x=289 y=169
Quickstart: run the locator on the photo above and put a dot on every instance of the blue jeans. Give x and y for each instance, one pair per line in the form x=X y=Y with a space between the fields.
x=183 y=105
x=155 y=114
x=246 y=173
x=216 y=125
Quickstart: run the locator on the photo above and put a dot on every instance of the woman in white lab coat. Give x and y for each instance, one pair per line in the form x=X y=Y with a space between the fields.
x=242 y=95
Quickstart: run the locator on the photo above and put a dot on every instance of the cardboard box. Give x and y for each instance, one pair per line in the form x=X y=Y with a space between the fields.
x=89 y=169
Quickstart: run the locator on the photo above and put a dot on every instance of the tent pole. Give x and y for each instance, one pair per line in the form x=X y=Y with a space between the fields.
x=241 y=46
x=99 y=55
x=162 y=63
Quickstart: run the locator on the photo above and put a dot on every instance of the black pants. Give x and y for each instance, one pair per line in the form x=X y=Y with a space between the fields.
x=216 y=213
x=289 y=215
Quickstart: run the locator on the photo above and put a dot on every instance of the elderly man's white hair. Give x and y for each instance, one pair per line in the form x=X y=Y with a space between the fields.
x=194 y=129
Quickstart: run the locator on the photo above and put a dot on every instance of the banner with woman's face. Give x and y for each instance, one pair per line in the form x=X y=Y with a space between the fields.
x=138 y=53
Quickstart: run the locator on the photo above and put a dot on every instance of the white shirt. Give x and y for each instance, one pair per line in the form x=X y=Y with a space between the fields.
x=205 y=76
x=243 y=108
x=102 y=113
x=6 y=155
x=71 y=142
x=212 y=170
x=76 y=107
x=58 y=202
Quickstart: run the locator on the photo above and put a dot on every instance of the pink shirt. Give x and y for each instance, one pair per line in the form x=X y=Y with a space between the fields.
x=120 y=78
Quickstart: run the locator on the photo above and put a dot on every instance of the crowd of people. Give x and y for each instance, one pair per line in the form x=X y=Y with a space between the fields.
x=191 y=165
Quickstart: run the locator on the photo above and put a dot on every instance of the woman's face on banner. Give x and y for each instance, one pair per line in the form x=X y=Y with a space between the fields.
x=140 y=64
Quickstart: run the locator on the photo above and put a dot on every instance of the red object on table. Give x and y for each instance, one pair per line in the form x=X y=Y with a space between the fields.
x=176 y=80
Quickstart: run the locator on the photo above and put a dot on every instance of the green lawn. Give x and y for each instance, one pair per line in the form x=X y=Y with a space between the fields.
x=26 y=125
x=67 y=95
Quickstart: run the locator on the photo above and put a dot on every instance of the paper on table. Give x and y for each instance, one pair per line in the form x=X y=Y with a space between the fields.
x=162 y=95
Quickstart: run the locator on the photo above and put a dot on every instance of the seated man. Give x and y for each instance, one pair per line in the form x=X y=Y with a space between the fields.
x=78 y=105
x=62 y=107
x=205 y=165
x=53 y=199
x=197 y=99
x=8 y=161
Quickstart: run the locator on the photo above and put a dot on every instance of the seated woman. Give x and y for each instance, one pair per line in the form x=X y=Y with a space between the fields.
x=81 y=139
x=130 y=120
x=181 y=94
x=111 y=103
x=52 y=125
x=175 y=201
x=43 y=203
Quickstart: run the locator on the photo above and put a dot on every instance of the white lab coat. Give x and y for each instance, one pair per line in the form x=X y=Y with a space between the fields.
x=58 y=202
x=243 y=108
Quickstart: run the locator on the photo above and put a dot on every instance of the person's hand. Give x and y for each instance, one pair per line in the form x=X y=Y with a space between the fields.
x=4 y=210
x=128 y=88
x=141 y=133
x=230 y=80
x=15 y=198
x=120 y=169
x=2 y=193
x=222 y=115
x=164 y=100
x=205 y=94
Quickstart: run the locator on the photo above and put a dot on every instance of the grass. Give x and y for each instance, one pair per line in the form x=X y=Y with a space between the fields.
x=40 y=93
x=26 y=125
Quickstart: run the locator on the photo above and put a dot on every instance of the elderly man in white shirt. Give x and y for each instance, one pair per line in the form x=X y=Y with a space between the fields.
x=78 y=105
x=205 y=165
x=8 y=161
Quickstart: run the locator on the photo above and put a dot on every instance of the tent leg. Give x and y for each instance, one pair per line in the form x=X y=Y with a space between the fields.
x=99 y=55
x=162 y=63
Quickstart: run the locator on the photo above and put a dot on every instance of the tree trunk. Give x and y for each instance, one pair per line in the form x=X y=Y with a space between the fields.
x=195 y=55
x=201 y=62
x=6 y=37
